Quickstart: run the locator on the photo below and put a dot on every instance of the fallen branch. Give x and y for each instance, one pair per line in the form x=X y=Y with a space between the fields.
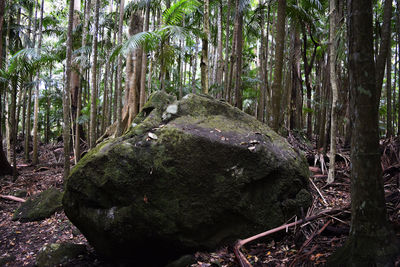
x=18 y=199
x=319 y=192
x=242 y=259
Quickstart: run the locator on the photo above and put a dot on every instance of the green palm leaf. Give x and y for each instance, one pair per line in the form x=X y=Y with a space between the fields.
x=175 y=14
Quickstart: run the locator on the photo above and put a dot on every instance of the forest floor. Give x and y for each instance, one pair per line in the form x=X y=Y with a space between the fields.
x=308 y=244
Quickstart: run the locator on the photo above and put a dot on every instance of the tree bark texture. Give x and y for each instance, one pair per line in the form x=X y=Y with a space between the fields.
x=66 y=93
x=93 y=95
x=277 y=84
x=5 y=167
x=204 y=49
x=35 y=156
x=335 y=98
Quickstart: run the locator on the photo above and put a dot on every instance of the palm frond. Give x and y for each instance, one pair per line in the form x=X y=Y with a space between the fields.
x=175 y=31
x=299 y=14
x=312 y=4
x=140 y=39
x=175 y=14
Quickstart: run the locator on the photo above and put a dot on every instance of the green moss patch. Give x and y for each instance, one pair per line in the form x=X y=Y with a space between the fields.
x=39 y=207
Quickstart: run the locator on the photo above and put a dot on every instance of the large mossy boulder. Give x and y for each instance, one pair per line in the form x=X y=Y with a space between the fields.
x=190 y=175
x=39 y=207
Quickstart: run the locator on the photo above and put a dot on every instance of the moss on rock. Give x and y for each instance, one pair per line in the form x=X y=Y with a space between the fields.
x=40 y=206
x=58 y=254
x=193 y=174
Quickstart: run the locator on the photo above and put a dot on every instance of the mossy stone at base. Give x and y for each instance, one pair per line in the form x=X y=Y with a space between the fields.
x=58 y=254
x=191 y=175
x=39 y=207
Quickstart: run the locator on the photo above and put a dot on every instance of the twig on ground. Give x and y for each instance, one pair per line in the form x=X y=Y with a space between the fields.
x=18 y=199
x=319 y=192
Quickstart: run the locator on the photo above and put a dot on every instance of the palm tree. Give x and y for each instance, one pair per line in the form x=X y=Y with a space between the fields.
x=119 y=72
x=204 y=50
x=5 y=167
x=67 y=88
x=144 y=61
x=277 y=84
x=332 y=45
x=93 y=96
x=35 y=159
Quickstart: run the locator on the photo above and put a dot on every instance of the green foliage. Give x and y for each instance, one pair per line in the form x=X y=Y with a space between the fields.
x=175 y=14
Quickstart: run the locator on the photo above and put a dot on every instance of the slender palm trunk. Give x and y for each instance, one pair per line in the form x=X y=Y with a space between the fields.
x=335 y=98
x=119 y=71
x=384 y=45
x=204 y=49
x=35 y=156
x=144 y=62
x=194 y=89
x=389 y=128
x=277 y=85
x=239 y=56
x=5 y=167
x=261 y=98
x=226 y=64
x=67 y=91
x=93 y=96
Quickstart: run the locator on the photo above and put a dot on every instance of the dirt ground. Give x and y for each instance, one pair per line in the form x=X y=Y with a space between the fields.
x=309 y=244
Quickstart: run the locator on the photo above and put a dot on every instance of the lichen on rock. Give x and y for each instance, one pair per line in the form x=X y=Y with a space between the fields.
x=200 y=178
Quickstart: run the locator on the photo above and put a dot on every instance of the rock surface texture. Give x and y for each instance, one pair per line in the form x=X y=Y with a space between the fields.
x=189 y=175
x=58 y=254
x=39 y=207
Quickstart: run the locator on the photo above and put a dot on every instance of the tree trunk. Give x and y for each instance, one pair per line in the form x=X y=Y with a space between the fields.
x=308 y=65
x=220 y=67
x=67 y=91
x=277 y=84
x=5 y=167
x=261 y=97
x=35 y=156
x=204 y=49
x=75 y=79
x=144 y=62
x=332 y=45
x=371 y=242
x=194 y=88
x=384 y=46
x=398 y=62
x=323 y=103
x=239 y=56
x=389 y=128
x=233 y=57
x=119 y=72
x=13 y=125
x=296 y=86
x=226 y=64
x=93 y=96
